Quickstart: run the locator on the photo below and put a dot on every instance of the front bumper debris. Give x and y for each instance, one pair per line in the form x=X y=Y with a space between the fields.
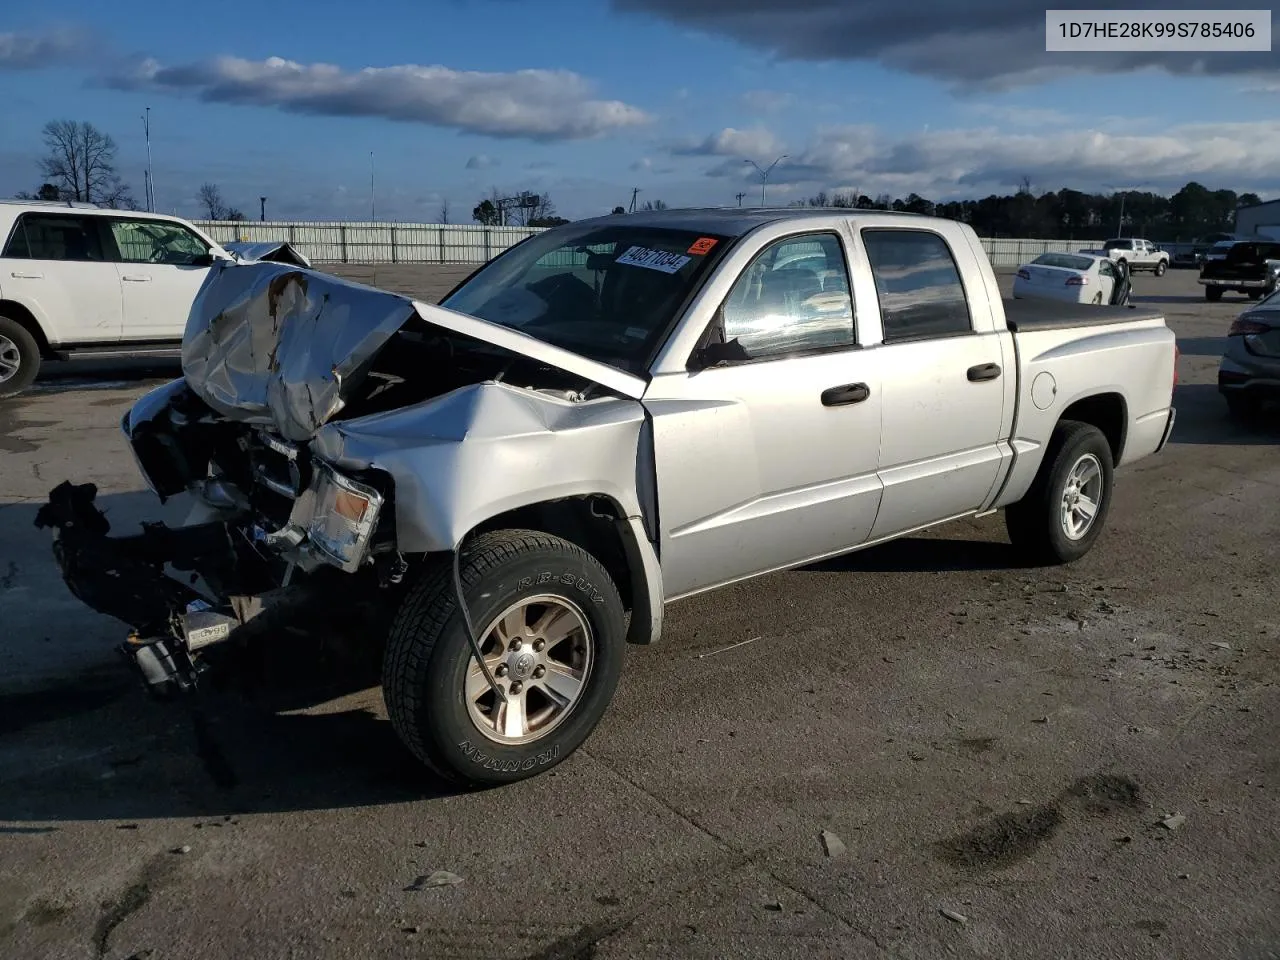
x=180 y=590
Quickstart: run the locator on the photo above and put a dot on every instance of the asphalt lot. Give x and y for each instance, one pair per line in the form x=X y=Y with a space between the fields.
x=994 y=742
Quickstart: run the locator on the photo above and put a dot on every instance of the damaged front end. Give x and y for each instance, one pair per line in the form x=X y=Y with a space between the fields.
x=307 y=404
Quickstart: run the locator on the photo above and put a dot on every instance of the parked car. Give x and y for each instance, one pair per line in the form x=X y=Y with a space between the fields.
x=77 y=279
x=1249 y=374
x=1137 y=254
x=609 y=416
x=1251 y=267
x=1074 y=277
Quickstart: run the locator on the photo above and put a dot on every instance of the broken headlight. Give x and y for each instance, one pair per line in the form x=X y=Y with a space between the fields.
x=343 y=518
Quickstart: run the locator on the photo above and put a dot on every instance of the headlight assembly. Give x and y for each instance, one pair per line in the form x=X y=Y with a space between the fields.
x=343 y=518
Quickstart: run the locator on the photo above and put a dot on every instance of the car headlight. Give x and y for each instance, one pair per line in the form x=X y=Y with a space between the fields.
x=343 y=518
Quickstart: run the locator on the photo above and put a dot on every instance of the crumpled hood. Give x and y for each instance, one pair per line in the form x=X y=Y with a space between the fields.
x=271 y=343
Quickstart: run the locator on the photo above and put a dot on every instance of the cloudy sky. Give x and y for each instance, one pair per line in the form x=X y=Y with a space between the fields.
x=586 y=99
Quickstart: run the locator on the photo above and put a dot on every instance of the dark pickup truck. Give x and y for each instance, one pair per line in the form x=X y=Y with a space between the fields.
x=1251 y=267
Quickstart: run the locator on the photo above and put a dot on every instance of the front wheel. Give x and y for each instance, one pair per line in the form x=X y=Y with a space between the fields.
x=1161 y=266
x=1066 y=507
x=19 y=357
x=552 y=632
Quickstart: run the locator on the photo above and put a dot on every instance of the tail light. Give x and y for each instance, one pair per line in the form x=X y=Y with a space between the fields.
x=1077 y=281
x=1024 y=274
x=1244 y=327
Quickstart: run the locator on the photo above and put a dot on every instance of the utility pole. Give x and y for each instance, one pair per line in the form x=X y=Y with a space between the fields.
x=634 y=192
x=1124 y=195
x=150 y=183
x=740 y=195
x=263 y=216
x=764 y=174
x=373 y=191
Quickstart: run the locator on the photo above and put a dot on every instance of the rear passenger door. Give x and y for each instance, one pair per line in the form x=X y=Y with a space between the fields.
x=55 y=265
x=942 y=372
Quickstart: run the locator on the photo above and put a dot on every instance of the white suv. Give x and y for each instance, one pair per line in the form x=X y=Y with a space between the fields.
x=76 y=278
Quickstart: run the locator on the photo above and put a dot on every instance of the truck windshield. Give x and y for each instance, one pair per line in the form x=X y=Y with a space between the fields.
x=608 y=292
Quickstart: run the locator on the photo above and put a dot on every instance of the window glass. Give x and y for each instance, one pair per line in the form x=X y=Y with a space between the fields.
x=40 y=236
x=152 y=241
x=918 y=284
x=794 y=296
x=1105 y=269
x=605 y=291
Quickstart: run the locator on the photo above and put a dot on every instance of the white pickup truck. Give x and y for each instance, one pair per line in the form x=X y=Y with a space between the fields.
x=1138 y=254
x=609 y=416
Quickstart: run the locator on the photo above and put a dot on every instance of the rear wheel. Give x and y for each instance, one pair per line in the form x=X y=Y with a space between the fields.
x=1097 y=298
x=551 y=629
x=1064 y=511
x=1213 y=294
x=19 y=357
x=1254 y=294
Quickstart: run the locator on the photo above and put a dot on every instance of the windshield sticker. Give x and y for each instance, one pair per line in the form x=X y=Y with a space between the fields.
x=702 y=245
x=654 y=259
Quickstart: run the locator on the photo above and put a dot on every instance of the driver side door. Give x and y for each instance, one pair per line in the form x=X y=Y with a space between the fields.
x=161 y=266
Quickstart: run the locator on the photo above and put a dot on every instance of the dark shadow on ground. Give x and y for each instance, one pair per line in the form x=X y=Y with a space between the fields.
x=293 y=721
x=1202 y=346
x=90 y=374
x=1203 y=418
x=919 y=554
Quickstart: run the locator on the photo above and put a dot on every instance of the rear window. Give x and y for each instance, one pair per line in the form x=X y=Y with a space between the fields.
x=1118 y=245
x=1253 y=252
x=1064 y=260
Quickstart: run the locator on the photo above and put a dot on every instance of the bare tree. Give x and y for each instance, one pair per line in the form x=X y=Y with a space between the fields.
x=81 y=164
x=211 y=198
x=444 y=211
x=655 y=205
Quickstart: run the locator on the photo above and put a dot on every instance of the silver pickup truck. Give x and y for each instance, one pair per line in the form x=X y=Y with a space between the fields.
x=609 y=416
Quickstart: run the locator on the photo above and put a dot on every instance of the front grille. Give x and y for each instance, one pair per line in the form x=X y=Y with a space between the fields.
x=281 y=471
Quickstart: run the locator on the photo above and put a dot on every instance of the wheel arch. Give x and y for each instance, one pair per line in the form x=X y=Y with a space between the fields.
x=598 y=524
x=22 y=315
x=1109 y=412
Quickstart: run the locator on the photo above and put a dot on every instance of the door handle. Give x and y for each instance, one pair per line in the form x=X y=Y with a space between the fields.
x=848 y=393
x=17 y=275
x=136 y=278
x=984 y=371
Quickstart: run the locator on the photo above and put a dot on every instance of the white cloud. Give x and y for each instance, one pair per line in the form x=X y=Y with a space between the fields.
x=729 y=142
x=969 y=161
x=533 y=104
x=33 y=51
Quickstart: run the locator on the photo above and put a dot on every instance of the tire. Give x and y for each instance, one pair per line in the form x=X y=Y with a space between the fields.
x=1213 y=294
x=429 y=662
x=1242 y=407
x=19 y=358
x=1097 y=301
x=1037 y=523
x=1254 y=294
x=1161 y=266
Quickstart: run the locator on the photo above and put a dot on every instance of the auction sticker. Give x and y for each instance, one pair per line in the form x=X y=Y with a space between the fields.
x=653 y=259
x=702 y=245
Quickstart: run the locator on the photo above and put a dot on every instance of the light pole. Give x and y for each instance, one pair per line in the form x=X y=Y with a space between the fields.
x=150 y=184
x=373 y=191
x=1124 y=195
x=764 y=174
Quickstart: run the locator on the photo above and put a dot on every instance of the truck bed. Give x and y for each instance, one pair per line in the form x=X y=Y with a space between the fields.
x=1024 y=316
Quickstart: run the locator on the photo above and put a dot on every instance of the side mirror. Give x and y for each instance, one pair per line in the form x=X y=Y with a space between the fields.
x=715 y=353
x=202 y=260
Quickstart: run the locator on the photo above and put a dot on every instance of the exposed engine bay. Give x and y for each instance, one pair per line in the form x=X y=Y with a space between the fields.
x=326 y=434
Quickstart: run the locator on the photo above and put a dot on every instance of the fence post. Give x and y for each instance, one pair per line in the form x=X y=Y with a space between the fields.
x=342 y=241
x=393 y=244
x=440 y=248
x=487 y=255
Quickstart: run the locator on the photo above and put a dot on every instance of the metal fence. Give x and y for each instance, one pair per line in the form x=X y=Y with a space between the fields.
x=370 y=242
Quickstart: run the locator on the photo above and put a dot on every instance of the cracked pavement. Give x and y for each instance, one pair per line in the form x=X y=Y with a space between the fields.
x=995 y=747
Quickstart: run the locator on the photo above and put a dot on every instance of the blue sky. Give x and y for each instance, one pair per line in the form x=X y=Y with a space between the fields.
x=585 y=99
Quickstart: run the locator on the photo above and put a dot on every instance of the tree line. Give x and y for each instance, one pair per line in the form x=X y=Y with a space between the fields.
x=1194 y=211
